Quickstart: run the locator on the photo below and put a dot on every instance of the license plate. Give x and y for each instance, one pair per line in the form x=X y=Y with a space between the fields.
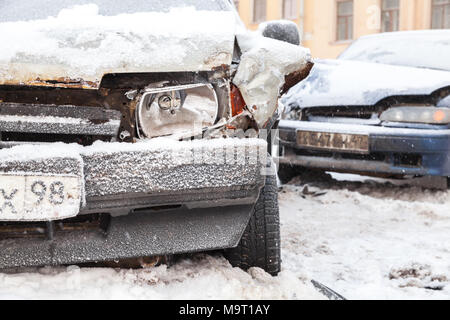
x=357 y=143
x=39 y=197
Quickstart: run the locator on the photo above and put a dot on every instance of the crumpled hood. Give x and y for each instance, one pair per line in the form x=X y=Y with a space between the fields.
x=80 y=45
x=266 y=66
x=346 y=83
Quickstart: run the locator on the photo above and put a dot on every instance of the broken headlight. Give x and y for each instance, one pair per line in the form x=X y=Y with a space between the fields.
x=180 y=110
x=428 y=115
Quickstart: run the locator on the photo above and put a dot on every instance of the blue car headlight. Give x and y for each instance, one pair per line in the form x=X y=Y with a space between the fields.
x=428 y=115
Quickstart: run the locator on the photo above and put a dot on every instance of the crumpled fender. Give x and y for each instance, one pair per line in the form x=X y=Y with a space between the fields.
x=268 y=68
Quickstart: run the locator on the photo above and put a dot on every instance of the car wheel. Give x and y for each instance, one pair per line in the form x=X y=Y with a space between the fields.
x=260 y=243
x=286 y=172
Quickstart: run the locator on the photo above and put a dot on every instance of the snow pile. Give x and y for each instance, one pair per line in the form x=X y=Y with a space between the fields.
x=419 y=276
x=201 y=277
x=81 y=44
x=197 y=147
x=164 y=143
x=31 y=152
x=377 y=241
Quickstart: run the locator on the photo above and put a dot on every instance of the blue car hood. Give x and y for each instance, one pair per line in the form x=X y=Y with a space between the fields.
x=347 y=83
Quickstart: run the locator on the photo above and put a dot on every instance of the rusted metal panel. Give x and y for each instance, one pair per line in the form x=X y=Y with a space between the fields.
x=295 y=77
x=25 y=74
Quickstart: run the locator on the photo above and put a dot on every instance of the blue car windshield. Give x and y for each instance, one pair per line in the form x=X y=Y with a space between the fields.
x=421 y=49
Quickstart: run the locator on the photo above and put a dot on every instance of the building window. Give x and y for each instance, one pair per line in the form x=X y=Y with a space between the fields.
x=290 y=9
x=440 y=18
x=344 y=20
x=259 y=10
x=390 y=13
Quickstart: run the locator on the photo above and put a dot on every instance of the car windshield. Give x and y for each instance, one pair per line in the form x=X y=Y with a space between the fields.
x=422 y=49
x=24 y=10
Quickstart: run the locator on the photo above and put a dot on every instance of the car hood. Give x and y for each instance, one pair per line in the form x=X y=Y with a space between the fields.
x=354 y=83
x=80 y=46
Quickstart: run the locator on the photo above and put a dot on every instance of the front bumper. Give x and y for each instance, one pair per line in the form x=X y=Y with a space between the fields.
x=397 y=151
x=140 y=234
x=161 y=197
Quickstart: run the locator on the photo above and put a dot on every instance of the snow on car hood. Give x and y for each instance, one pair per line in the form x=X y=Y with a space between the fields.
x=79 y=43
x=345 y=83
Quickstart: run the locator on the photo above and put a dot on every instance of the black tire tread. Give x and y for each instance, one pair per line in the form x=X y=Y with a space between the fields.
x=260 y=243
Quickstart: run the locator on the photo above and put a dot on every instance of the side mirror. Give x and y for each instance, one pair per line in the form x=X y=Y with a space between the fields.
x=283 y=30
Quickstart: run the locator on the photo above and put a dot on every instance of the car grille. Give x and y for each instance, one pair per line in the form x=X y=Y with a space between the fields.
x=24 y=123
x=355 y=112
x=48 y=230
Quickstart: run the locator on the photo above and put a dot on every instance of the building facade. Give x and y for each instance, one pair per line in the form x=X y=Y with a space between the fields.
x=329 y=26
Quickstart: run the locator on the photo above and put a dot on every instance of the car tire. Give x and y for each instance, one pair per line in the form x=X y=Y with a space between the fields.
x=286 y=172
x=260 y=243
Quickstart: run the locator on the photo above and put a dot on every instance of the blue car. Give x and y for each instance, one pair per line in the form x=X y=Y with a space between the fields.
x=382 y=108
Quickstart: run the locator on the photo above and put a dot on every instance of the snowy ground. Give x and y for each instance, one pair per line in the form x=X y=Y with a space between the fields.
x=365 y=240
x=368 y=240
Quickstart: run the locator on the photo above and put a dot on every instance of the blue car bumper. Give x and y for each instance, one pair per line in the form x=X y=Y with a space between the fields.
x=397 y=151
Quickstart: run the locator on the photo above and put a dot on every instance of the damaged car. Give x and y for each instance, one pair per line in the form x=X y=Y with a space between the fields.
x=136 y=130
x=382 y=108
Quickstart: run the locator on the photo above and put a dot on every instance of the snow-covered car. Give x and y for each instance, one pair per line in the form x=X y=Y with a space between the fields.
x=382 y=108
x=101 y=107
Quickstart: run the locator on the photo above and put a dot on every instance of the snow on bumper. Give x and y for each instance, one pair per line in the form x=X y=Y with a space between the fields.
x=119 y=176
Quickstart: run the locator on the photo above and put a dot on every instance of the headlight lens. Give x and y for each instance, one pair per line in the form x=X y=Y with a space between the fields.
x=176 y=110
x=428 y=115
